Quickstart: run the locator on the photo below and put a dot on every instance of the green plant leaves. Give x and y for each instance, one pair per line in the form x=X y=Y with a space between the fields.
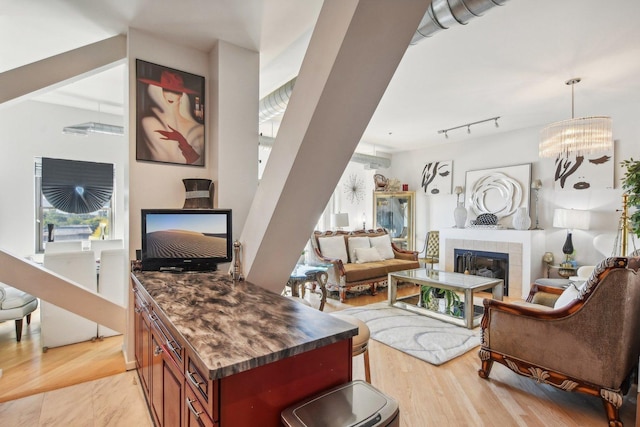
x=631 y=186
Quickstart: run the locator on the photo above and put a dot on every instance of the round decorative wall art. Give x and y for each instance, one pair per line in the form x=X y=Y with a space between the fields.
x=354 y=188
x=496 y=193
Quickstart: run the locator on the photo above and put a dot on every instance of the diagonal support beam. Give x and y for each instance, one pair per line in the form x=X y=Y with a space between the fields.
x=51 y=287
x=57 y=70
x=353 y=53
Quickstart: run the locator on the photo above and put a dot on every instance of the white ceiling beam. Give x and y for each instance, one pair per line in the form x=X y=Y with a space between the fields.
x=58 y=70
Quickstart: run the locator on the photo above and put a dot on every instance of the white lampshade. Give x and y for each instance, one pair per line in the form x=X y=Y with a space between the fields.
x=341 y=220
x=572 y=219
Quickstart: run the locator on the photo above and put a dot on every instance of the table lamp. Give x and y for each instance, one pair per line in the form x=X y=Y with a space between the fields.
x=571 y=219
x=340 y=220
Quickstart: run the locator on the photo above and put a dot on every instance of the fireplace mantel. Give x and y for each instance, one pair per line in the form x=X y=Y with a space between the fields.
x=525 y=249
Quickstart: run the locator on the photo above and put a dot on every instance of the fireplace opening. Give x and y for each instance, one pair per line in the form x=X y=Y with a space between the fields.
x=481 y=263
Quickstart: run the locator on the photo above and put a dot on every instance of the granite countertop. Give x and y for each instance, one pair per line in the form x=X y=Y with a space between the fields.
x=234 y=327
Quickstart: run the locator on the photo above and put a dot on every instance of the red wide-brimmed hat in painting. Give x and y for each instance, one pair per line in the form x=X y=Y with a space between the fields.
x=170 y=81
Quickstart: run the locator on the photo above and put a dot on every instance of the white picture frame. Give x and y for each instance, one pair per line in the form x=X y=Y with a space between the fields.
x=437 y=178
x=499 y=191
x=586 y=172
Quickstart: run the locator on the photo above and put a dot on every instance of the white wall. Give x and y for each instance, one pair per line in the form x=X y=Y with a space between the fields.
x=355 y=208
x=518 y=147
x=232 y=143
x=33 y=129
x=159 y=185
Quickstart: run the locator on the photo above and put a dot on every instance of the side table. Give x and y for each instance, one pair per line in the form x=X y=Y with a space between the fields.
x=564 y=271
x=303 y=274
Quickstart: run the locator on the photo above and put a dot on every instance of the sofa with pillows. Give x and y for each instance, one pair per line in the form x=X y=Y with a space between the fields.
x=361 y=259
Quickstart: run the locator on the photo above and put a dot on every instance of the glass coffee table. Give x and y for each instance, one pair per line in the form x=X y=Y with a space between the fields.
x=464 y=284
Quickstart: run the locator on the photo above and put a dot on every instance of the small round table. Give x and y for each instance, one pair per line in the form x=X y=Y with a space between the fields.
x=303 y=274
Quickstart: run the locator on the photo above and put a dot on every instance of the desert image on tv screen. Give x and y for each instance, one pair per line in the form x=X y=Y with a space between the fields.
x=186 y=236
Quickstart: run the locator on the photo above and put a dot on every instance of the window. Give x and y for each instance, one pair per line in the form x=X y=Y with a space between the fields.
x=74 y=199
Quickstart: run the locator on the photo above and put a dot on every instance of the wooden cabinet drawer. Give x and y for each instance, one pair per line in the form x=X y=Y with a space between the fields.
x=195 y=414
x=205 y=390
x=168 y=342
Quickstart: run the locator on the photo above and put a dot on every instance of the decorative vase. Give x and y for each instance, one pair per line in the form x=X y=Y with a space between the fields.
x=460 y=216
x=198 y=193
x=521 y=220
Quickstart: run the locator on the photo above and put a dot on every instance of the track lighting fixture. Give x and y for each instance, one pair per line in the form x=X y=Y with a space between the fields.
x=468 y=126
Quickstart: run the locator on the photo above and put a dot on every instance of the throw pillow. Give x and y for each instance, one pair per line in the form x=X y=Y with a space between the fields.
x=383 y=245
x=357 y=242
x=568 y=295
x=363 y=255
x=333 y=247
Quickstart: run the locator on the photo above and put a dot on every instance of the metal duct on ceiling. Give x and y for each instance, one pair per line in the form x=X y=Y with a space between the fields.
x=276 y=102
x=94 y=127
x=371 y=162
x=441 y=15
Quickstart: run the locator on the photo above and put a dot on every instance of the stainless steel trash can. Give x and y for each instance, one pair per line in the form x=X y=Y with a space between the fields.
x=354 y=404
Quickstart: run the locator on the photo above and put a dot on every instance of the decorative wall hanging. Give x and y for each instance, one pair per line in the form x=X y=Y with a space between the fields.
x=499 y=191
x=584 y=172
x=437 y=177
x=354 y=188
x=169 y=115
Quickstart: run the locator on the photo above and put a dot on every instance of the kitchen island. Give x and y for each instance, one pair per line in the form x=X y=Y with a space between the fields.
x=210 y=351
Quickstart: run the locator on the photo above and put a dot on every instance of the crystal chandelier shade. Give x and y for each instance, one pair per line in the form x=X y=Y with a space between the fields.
x=584 y=135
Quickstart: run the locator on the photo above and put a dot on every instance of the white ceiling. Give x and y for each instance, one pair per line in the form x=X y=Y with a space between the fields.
x=512 y=62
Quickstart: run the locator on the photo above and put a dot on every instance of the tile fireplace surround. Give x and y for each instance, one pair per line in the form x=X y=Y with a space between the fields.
x=525 y=250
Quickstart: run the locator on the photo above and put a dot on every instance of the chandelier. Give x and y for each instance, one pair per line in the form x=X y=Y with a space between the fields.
x=583 y=135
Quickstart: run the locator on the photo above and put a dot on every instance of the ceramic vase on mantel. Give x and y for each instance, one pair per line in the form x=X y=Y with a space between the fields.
x=521 y=220
x=460 y=216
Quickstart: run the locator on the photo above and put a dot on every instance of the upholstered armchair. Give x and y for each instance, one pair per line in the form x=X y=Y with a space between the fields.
x=16 y=305
x=589 y=342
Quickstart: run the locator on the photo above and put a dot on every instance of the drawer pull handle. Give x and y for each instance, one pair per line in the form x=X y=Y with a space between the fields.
x=157 y=351
x=195 y=382
x=192 y=409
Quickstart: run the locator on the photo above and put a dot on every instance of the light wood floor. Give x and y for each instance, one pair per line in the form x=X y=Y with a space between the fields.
x=26 y=370
x=451 y=394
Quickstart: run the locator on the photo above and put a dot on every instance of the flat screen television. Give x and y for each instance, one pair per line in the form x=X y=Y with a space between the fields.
x=185 y=239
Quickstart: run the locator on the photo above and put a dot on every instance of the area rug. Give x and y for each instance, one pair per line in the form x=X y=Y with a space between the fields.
x=427 y=339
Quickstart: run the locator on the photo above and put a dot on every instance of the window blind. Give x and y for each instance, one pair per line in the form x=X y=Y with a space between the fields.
x=75 y=186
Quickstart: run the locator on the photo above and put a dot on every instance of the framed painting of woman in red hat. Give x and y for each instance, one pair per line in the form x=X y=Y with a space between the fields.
x=169 y=115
